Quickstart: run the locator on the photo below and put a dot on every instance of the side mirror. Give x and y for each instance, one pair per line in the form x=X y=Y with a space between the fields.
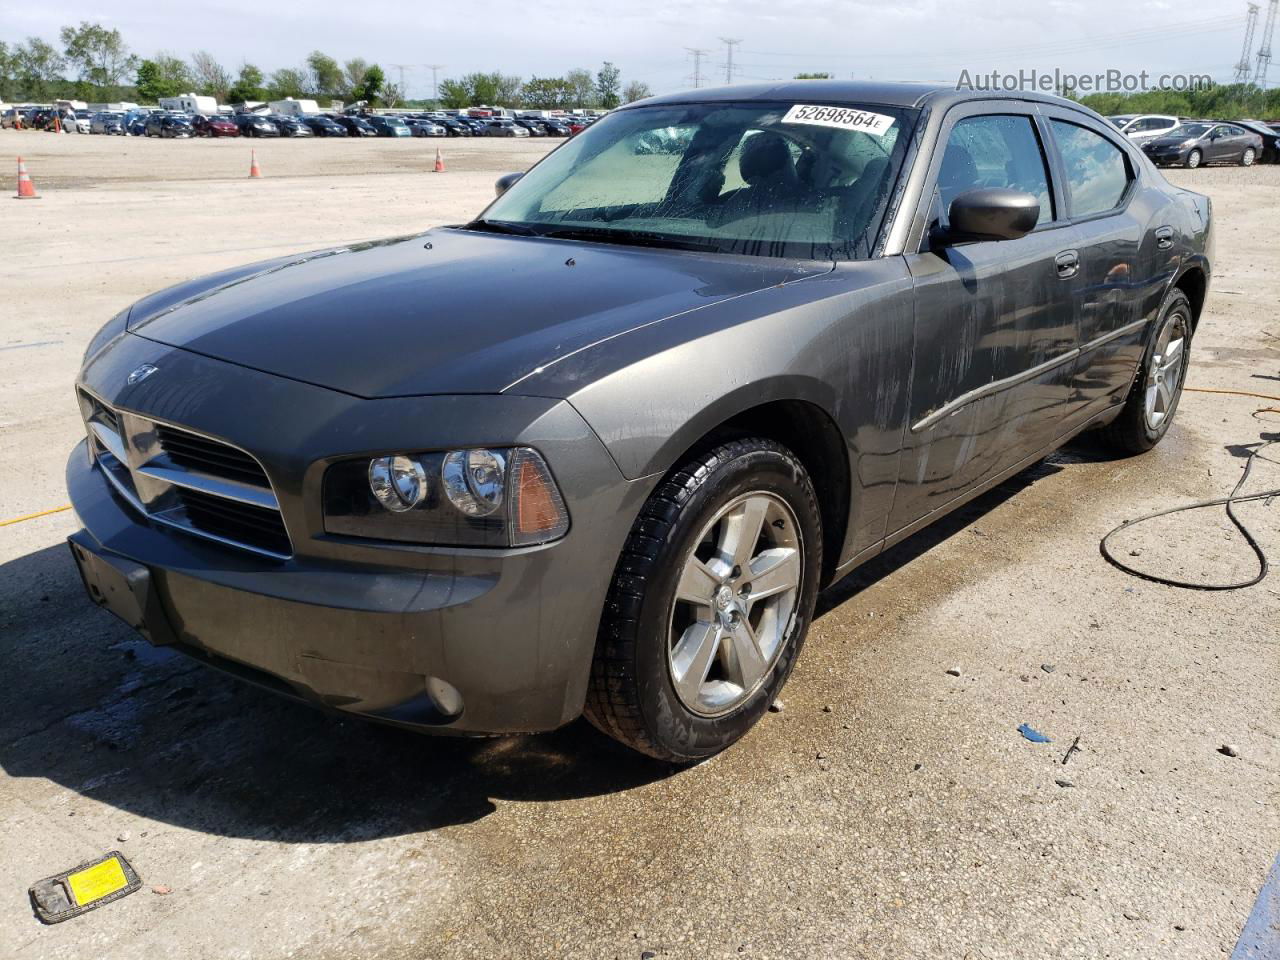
x=993 y=213
x=505 y=183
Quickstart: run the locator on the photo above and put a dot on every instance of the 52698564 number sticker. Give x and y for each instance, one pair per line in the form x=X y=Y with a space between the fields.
x=843 y=118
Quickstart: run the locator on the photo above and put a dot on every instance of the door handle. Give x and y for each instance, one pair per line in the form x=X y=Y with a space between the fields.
x=1164 y=238
x=1067 y=264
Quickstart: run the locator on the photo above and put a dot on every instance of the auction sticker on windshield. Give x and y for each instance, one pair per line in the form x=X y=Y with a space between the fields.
x=842 y=118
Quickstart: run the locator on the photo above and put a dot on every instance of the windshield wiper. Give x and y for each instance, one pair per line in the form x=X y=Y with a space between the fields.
x=631 y=238
x=502 y=226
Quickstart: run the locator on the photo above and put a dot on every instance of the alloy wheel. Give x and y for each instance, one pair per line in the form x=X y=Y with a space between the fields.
x=734 y=603
x=1247 y=159
x=1193 y=160
x=1164 y=372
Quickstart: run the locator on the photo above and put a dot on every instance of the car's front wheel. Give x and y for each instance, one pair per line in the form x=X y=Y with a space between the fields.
x=710 y=602
x=1157 y=388
x=1194 y=158
x=1247 y=158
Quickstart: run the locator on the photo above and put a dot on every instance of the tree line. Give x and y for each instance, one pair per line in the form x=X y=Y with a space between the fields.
x=93 y=62
x=1234 y=101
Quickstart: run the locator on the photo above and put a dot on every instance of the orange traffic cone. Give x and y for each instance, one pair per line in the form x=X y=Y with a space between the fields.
x=255 y=173
x=439 y=168
x=26 y=189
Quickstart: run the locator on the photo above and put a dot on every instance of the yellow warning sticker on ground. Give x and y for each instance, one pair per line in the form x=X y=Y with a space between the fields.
x=100 y=880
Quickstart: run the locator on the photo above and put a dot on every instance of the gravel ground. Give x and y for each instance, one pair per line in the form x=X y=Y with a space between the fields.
x=889 y=810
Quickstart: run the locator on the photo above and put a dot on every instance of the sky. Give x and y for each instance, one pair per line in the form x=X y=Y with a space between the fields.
x=930 y=40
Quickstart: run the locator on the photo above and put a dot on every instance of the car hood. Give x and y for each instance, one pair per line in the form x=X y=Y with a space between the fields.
x=448 y=311
x=1174 y=141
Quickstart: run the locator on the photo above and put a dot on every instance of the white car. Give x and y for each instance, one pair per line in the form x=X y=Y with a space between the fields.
x=1139 y=127
x=75 y=123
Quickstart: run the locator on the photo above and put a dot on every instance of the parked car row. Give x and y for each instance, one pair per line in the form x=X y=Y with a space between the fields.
x=174 y=125
x=1188 y=142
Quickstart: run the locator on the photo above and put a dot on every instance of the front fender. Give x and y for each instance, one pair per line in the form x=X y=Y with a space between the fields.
x=841 y=341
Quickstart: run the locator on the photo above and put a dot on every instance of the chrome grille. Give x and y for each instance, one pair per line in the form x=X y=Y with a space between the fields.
x=192 y=452
x=185 y=480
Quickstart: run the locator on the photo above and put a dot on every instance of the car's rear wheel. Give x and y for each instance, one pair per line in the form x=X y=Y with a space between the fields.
x=1247 y=158
x=1194 y=158
x=710 y=602
x=1153 y=398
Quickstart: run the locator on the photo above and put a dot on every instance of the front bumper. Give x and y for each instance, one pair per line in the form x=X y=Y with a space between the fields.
x=1167 y=158
x=448 y=639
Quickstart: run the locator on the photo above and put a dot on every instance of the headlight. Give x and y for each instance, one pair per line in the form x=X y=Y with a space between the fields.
x=398 y=483
x=470 y=498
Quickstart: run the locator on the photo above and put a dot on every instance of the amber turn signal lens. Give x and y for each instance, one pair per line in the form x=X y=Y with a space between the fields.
x=539 y=511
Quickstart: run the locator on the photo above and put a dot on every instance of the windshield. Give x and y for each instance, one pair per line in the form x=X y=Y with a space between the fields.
x=1192 y=131
x=759 y=179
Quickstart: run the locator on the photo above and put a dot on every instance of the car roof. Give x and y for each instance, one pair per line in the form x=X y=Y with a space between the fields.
x=883 y=93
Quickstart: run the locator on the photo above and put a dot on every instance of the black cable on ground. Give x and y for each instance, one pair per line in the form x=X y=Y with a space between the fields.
x=1230 y=503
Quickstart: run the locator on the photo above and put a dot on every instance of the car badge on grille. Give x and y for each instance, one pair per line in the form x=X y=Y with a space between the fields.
x=141 y=373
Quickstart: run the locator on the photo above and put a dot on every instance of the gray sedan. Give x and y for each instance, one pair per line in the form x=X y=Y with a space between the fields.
x=703 y=382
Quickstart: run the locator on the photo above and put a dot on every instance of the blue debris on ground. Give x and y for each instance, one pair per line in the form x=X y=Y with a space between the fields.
x=1031 y=733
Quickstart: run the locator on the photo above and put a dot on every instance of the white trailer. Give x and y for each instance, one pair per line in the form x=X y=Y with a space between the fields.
x=289 y=107
x=191 y=103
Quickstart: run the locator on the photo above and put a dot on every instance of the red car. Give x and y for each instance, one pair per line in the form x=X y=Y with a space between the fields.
x=214 y=126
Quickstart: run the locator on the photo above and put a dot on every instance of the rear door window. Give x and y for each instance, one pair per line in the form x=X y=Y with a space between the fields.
x=1097 y=171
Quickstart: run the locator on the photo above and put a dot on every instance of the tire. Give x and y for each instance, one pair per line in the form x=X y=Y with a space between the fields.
x=1247 y=158
x=1193 y=159
x=680 y=546
x=1137 y=429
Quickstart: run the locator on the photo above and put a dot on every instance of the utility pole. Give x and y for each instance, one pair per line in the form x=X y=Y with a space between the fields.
x=1264 y=51
x=435 y=69
x=728 y=66
x=697 y=64
x=1245 y=67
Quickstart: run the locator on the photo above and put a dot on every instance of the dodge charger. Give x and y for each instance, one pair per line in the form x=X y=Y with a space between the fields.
x=704 y=383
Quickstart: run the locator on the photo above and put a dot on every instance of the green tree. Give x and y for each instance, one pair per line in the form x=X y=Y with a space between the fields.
x=287 y=82
x=813 y=76
x=1233 y=101
x=98 y=54
x=148 y=82
x=353 y=72
x=248 y=85
x=163 y=76
x=211 y=78
x=8 y=72
x=37 y=69
x=326 y=76
x=371 y=84
x=608 y=83
x=508 y=90
x=635 y=90
x=454 y=94
x=482 y=88
x=545 y=93
x=582 y=89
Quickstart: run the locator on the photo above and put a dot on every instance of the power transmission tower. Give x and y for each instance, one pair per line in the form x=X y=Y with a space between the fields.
x=1264 y=51
x=1245 y=66
x=697 y=64
x=404 y=92
x=728 y=66
x=435 y=69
